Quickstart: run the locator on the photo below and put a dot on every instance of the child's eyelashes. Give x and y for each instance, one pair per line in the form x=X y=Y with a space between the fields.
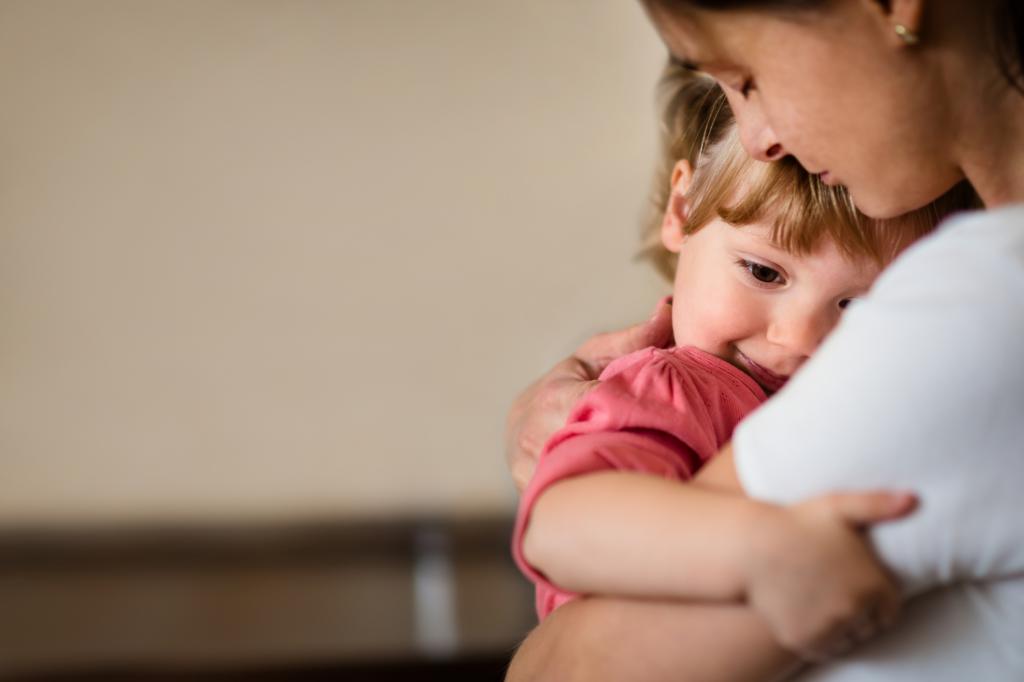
x=768 y=277
x=761 y=273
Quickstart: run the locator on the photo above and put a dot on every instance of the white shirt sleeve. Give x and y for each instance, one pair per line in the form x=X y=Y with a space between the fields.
x=921 y=387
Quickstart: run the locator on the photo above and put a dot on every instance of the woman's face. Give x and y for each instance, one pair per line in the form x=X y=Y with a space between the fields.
x=834 y=87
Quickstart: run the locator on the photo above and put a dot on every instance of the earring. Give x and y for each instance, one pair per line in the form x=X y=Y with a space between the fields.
x=908 y=36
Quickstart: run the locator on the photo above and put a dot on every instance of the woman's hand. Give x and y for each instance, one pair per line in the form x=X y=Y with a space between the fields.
x=543 y=407
x=813 y=576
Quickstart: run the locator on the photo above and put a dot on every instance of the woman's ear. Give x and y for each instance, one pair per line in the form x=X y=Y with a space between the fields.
x=678 y=209
x=902 y=20
x=907 y=20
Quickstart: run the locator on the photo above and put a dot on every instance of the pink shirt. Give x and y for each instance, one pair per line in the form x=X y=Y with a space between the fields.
x=658 y=411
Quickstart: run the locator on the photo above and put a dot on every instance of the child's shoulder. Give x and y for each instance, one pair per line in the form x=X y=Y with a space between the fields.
x=669 y=390
x=676 y=365
x=633 y=362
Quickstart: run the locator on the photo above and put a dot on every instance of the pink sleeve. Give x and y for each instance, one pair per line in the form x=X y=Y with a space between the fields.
x=652 y=417
x=620 y=451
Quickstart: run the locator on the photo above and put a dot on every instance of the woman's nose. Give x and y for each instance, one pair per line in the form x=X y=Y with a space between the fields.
x=761 y=142
x=757 y=136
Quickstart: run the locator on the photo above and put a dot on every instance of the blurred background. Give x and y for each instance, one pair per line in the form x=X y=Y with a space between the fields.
x=271 y=272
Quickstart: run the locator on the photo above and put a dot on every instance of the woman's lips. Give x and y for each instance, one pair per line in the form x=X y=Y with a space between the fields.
x=769 y=380
x=827 y=178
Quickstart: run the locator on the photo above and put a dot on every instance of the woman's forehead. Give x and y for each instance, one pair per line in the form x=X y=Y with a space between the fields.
x=691 y=38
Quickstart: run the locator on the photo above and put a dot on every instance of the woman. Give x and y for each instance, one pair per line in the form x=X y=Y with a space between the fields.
x=921 y=387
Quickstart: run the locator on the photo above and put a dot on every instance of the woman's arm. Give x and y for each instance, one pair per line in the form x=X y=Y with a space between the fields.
x=598 y=639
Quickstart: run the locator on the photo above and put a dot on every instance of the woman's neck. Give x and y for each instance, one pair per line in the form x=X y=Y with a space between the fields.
x=986 y=113
x=991 y=147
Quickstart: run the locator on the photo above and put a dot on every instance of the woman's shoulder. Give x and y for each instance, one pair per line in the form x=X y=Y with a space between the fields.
x=975 y=259
x=998 y=228
x=995 y=233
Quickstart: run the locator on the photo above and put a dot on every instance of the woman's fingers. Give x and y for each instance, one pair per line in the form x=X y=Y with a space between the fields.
x=539 y=411
x=544 y=406
x=600 y=350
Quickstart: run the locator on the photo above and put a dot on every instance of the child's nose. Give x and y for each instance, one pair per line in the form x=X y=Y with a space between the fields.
x=800 y=330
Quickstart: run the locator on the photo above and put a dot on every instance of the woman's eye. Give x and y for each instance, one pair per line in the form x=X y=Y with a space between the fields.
x=763 y=273
x=843 y=304
x=746 y=86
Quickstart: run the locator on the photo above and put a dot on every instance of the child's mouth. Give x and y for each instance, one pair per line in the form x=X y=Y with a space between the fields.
x=769 y=380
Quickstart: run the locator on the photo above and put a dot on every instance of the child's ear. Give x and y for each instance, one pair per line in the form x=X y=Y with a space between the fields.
x=678 y=209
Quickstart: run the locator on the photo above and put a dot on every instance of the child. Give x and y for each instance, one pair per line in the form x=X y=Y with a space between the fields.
x=764 y=258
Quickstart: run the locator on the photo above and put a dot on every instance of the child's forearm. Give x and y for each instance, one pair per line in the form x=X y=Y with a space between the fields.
x=638 y=535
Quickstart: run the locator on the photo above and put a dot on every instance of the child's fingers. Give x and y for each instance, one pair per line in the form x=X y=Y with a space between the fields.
x=879 y=615
x=887 y=610
x=865 y=509
x=873 y=620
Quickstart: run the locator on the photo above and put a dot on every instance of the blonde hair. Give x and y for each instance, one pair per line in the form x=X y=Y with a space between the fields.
x=698 y=126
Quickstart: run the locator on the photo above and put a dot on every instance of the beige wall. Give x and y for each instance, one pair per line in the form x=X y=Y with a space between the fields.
x=292 y=258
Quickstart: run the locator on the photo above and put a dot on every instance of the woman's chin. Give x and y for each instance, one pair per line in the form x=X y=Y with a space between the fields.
x=880 y=205
x=884 y=203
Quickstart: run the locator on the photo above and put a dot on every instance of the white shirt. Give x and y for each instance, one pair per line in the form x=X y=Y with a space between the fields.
x=921 y=387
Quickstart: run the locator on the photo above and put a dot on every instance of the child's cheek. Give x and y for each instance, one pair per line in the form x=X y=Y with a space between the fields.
x=715 y=320
x=702 y=322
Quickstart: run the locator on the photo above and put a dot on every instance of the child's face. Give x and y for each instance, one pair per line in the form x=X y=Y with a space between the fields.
x=756 y=306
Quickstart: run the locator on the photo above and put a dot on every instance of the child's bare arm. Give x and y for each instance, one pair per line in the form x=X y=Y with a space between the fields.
x=806 y=568
x=637 y=535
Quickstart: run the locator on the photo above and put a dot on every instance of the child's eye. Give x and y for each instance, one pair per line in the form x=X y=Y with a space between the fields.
x=843 y=304
x=746 y=86
x=762 y=273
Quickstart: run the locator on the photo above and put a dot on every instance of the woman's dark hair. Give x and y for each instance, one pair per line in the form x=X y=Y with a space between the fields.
x=1006 y=24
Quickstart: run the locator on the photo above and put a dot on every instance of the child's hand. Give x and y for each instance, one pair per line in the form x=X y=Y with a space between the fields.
x=813 y=576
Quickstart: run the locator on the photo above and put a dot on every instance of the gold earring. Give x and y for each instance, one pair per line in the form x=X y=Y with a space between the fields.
x=908 y=36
